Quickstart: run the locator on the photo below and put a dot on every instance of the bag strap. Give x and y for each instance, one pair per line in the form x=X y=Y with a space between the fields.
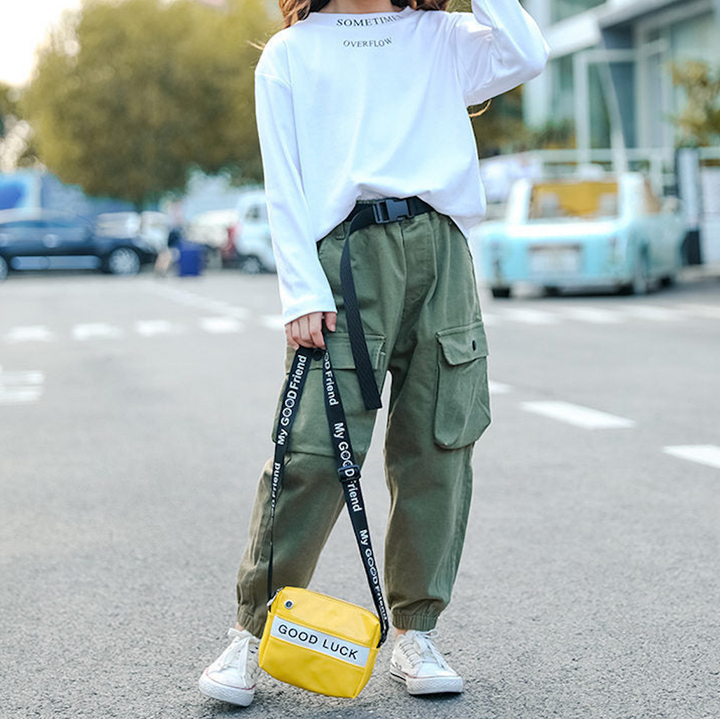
x=288 y=411
x=348 y=470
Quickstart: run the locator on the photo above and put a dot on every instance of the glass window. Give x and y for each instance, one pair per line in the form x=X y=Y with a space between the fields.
x=26 y=224
x=696 y=39
x=575 y=200
x=599 y=114
x=257 y=213
x=566 y=8
x=562 y=87
x=563 y=100
x=653 y=205
x=66 y=223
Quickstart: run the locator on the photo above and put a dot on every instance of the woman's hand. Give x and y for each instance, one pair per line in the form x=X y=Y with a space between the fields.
x=307 y=330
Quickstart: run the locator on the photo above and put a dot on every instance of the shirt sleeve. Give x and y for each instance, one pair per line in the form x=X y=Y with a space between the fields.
x=499 y=46
x=303 y=285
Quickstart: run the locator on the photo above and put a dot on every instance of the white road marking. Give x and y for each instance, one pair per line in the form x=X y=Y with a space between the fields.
x=499 y=388
x=20 y=387
x=707 y=454
x=578 y=416
x=594 y=315
x=14 y=379
x=96 y=329
x=30 y=333
x=273 y=322
x=221 y=325
x=204 y=303
x=709 y=311
x=20 y=395
x=150 y=328
x=655 y=314
x=530 y=316
x=240 y=313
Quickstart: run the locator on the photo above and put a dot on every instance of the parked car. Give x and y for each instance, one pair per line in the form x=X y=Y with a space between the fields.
x=579 y=233
x=152 y=227
x=253 y=245
x=45 y=239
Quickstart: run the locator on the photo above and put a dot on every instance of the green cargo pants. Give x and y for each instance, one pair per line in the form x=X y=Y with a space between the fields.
x=418 y=298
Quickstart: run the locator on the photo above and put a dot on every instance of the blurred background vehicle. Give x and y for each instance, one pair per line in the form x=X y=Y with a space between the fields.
x=151 y=227
x=251 y=237
x=237 y=237
x=46 y=239
x=213 y=230
x=604 y=232
x=118 y=224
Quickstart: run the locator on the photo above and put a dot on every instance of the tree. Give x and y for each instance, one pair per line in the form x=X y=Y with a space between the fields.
x=17 y=148
x=500 y=126
x=8 y=122
x=7 y=108
x=699 y=122
x=129 y=96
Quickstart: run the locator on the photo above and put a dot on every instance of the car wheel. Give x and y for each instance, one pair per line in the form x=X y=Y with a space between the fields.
x=123 y=261
x=640 y=284
x=501 y=293
x=213 y=259
x=667 y=281
x=251 y=265
x=551 y=291
x=3 y=268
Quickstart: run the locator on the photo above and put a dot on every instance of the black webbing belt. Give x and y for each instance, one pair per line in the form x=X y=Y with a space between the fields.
x=379 y=212
x=348 y=471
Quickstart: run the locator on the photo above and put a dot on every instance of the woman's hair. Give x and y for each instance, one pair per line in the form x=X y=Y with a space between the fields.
x=295 y=10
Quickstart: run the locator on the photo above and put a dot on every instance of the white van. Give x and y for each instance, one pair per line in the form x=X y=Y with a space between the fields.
x=252 y=234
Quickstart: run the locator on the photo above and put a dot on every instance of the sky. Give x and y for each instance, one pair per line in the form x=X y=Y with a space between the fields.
x=24 y=25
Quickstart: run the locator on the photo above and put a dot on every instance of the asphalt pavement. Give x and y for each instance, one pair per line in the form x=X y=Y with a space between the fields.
x=135 y=415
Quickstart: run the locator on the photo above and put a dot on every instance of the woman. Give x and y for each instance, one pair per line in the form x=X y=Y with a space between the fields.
x=358 y=101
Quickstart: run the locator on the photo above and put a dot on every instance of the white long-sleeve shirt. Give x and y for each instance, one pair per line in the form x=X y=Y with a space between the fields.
x=362 y=106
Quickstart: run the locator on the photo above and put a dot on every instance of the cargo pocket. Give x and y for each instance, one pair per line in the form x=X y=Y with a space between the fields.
x=310 y=433
x=462 y=407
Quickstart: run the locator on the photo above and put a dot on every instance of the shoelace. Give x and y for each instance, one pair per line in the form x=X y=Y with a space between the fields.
x=243 y=650
x=420 y=649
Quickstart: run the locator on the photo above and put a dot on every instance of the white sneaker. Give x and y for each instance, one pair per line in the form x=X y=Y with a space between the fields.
x=416 y=662
x=232 y=676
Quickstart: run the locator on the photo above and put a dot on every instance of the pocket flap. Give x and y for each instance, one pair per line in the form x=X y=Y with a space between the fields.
x=463 y=344
x=341 y=355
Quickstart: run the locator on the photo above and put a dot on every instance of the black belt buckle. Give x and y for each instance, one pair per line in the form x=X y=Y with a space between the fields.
x=389 y=210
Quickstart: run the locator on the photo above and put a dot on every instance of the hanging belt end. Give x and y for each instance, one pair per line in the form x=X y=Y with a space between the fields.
x=370 y=394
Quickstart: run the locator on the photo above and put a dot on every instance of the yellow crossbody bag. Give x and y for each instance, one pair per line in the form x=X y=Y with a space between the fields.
x=311 y=640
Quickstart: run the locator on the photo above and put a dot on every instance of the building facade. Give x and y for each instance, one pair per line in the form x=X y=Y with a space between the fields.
x=609 y=72
x=609 y=77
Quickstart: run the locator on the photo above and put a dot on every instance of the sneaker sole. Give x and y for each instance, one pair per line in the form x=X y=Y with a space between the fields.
x=225 y=693
x=428 y=685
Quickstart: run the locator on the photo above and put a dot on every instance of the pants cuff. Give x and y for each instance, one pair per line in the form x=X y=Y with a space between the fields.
x=252 y=622
x=419 y=622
